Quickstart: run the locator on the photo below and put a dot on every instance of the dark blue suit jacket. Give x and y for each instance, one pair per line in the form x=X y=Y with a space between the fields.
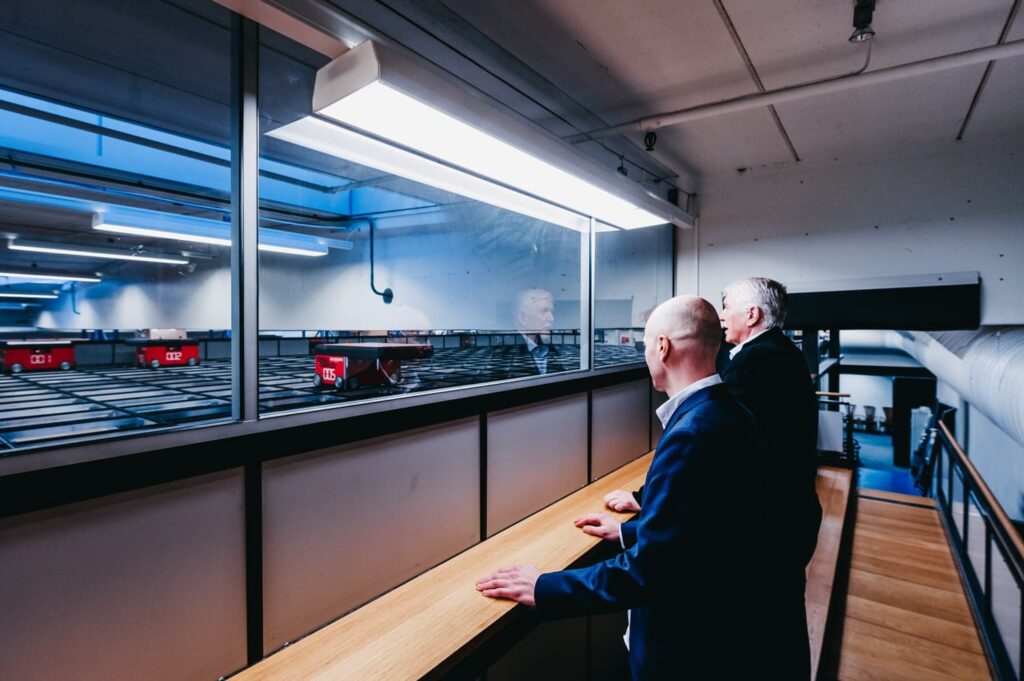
x=692 y=576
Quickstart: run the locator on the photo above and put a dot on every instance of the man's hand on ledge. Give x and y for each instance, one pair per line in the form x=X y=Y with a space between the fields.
x=600 y=525
x=515 y=582
x=621 y=501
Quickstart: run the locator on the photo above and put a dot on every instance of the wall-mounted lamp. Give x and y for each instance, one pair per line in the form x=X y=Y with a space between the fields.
x=377 y=107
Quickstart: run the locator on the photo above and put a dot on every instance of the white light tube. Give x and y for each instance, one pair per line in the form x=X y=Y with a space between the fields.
x=48 y=276
x=47 y=296
x=103 y=253
x=201 y=239
x=331 y=139
x=393 y=115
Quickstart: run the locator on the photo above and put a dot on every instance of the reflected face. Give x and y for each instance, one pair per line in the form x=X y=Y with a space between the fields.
x=537 y=313
x=734 y=320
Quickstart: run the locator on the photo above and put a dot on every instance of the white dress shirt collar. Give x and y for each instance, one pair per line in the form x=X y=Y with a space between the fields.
x=735 y=350
x=666 y=410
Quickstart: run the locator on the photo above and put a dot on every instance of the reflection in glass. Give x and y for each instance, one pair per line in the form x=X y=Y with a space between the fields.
x=1006 y=601
x=633 y=275
x=419 y=288
x=115 y=207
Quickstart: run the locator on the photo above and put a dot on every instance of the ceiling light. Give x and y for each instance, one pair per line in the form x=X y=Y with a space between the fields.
x=92 y=252
x=336 y=141
x=479 y=151
x=862 y=35
x=196 y=230
x=36 y=275
x=47 y=296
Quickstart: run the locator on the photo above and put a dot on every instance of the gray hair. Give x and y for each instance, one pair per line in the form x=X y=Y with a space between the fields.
x=766 y=294
x=530 y=294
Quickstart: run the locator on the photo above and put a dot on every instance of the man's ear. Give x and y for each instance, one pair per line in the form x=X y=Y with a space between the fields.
x=754 y=315
x=664 y=347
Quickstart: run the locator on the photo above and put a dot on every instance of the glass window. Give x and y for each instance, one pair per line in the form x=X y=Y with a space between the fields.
x=115 y=296
x=632 y=276
x=379 y=285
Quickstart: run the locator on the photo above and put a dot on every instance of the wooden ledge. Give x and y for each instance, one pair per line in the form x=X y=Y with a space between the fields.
x=426 y=625
x=428 y=622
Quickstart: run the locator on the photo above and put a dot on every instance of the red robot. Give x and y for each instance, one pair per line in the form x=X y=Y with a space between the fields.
x=156 y=352
x=348 y=366
x=37 y=355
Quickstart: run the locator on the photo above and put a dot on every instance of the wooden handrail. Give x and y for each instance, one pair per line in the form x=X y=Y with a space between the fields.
x=1000 y=517
x=828 y=394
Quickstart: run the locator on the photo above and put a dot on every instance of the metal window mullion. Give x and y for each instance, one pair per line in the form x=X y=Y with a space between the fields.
x=244 y=220
x=587 y=298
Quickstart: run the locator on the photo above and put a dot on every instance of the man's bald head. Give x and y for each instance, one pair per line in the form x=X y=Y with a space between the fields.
x=681 y=342
x=687 y=318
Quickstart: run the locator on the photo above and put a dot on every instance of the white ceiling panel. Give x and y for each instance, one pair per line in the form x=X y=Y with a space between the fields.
x=1000 y=110
x=625 y=60
x=802 y=40
x=882 y=119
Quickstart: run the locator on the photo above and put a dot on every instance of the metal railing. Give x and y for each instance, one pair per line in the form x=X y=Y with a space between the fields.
x=989 y=550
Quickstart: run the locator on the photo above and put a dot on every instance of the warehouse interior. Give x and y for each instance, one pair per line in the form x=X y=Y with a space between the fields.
x=238 y=355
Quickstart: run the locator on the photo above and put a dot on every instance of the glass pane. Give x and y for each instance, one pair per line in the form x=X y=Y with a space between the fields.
x=115 y=201
x=956 y=503
x=632 y=275
x=1006 y=605
x=976 y=539
x=374 y=285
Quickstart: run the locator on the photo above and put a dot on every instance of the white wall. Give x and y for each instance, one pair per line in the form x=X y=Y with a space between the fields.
x=954 y=207
x=875 y=391
x=442 y=277
x=633 y=265
x=999 y=459
x=148 y=296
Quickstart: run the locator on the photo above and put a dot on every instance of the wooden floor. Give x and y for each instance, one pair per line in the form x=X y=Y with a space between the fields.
x=906 y=615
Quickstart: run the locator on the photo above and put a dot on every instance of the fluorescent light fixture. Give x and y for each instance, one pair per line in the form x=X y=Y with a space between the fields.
x=374 y=89
x=36 y=275
x=196 y=230
x=92 y=252
x=45 y=296
x=17 y=306
x=331 y=139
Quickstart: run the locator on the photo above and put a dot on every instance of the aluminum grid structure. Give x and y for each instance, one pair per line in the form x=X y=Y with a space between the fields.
x=52 y=407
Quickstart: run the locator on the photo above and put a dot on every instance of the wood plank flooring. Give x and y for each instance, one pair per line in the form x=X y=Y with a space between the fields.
x=907 y=617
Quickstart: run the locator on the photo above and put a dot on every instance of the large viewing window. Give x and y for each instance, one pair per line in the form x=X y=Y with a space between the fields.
x=633 y=275
x=402 y=286
x=401 y=249
x=115 y=167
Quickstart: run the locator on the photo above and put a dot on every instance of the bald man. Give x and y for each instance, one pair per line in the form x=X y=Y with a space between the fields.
x=697 y=610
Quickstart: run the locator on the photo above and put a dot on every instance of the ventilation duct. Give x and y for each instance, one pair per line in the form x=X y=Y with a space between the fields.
x=986 y=367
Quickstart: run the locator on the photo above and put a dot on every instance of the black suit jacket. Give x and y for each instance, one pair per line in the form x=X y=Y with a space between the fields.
x=513 y=361
x=698 y=609
x=769 y=377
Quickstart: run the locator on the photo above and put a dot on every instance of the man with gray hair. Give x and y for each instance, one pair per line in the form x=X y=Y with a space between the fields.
x=767 y=374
